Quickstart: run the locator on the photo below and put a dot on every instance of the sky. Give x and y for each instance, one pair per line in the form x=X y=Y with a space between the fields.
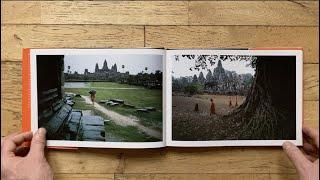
x=181 y=67
x=134 y=63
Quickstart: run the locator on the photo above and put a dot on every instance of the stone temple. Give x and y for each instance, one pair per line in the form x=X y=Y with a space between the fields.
x=105 y=68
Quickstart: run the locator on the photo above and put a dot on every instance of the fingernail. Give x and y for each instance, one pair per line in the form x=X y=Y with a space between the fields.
x=42 y=131
x=286 y=145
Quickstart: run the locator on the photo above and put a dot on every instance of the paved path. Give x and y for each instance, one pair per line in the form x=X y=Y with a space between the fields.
x=124 y=120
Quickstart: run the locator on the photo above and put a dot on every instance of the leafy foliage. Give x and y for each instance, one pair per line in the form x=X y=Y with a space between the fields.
x=202 y=61
x=193 y=88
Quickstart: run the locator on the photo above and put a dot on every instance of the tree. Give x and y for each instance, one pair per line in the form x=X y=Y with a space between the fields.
x=68 y=71
x=268 y=110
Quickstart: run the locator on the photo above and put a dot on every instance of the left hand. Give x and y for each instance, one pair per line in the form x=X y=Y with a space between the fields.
x=17 y=163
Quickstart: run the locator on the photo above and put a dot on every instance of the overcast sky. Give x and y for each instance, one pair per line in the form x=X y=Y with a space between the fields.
x=181 y=67
x=133 y=63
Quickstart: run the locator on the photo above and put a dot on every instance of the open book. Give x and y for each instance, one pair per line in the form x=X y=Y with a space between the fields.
x=149 y=98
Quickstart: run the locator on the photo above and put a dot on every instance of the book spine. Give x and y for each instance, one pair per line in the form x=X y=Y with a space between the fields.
x=26 y=115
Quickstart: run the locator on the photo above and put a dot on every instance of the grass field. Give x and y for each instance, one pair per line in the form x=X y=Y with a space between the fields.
x=114 y=132
x=134 y=95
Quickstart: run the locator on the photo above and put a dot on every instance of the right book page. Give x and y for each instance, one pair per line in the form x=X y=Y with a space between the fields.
x=234 y=97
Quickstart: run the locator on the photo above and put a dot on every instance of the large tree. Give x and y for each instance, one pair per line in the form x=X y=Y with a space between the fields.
x=268 y=111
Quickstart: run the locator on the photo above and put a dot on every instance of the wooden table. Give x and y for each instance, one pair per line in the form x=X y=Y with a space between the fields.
x=169 y=24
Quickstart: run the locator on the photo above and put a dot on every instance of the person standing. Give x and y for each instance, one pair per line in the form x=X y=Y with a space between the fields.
x=93 y=95
x=212 y=108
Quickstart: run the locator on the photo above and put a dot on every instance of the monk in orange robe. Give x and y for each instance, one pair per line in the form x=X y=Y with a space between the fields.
x=212 y=108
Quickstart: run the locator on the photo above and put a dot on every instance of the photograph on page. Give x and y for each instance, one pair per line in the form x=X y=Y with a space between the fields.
x=234 y=98
x=98 y=96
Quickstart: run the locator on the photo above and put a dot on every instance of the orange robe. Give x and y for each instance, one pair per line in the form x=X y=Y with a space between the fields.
x=212 y=109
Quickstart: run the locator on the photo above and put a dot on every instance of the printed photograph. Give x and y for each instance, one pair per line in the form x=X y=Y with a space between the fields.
x=112 y=98
x=233 y=97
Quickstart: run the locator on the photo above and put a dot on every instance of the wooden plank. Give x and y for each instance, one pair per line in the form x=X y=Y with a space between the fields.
x=83 y=176
x=11 y=80
x=205 y=176
x=10 y=116
x=176 y=37
x=16 y=37
x=311 y=113
x=298 y=13
x=91 y=36
x=24 y=13
x=11 y=83
x=276 y=13
x=92 y=161
x=99 y=12
x=311 y=82
x=209 y=160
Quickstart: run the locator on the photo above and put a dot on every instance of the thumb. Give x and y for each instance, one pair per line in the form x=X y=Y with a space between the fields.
x=38 y=143
x=296 y=156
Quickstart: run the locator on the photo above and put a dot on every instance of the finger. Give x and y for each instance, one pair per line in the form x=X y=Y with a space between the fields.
x=309 y=148
x=313 y=134
x=311 y=158
x=38 y=142
x=12 y=142
x=20 y=138
x=7 y=137
x=296 y=156
x=22 y=151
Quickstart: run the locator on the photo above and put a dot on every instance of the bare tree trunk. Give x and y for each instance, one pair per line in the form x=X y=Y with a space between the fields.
x=268 y=110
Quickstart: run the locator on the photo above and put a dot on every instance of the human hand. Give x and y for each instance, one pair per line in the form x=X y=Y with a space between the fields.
x=16 y=163
x=307 y=161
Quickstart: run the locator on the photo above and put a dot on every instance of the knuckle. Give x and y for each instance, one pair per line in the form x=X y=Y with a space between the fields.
x=39 y=141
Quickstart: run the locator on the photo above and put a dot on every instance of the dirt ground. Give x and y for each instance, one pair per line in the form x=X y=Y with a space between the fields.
x=189 y=125
x=187 y=104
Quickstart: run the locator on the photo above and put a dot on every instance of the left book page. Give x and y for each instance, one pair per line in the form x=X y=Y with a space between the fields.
x=102 y=98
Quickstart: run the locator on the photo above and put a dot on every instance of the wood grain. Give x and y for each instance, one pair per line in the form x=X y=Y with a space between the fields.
x=101 y=12
x=296 y=13
x=16 y=37
x=235 y=37
x=24 y=12
x=11 y=79
x=129 y=24
x=83 y=176
x=209 y=160
x=205 y=176
x=94 y=161
x=311 y=82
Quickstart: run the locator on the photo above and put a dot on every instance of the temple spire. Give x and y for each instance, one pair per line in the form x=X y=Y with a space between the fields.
x=105 y=65
x=97 y=68
x=219 y=64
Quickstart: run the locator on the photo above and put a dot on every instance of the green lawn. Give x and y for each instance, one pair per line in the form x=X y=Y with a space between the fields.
x=141 y=97
x=121 y=133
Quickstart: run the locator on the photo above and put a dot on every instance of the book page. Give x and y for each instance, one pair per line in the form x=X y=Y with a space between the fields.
x=103 y=98
x=234 y=97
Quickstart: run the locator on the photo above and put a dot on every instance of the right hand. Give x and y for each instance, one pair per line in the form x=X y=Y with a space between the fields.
x=306 y=162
